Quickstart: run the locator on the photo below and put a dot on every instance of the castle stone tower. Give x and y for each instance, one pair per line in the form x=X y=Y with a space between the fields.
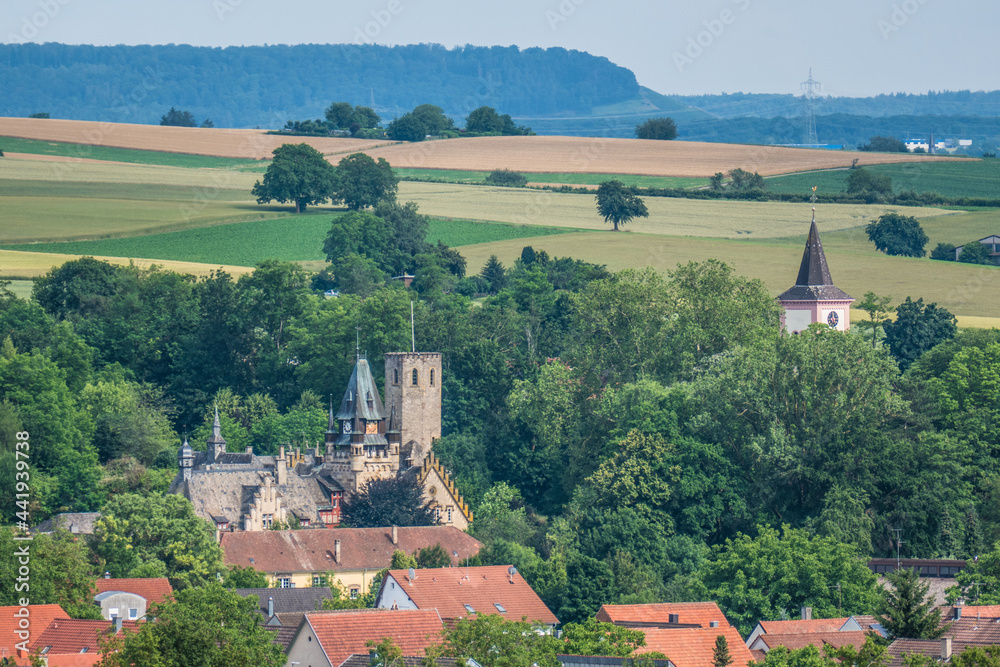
x=413 y=395
x=815 y=298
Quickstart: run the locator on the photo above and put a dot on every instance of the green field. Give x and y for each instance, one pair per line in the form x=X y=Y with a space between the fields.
x=967 y=178
x=459 y=176
x=37 y=147
x=293 y=238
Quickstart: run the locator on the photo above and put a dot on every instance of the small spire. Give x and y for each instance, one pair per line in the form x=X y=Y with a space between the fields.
x=216 y=425
x=814 y=215
x=357 y=344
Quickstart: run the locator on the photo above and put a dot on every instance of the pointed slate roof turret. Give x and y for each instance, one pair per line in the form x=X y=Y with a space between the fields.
x=361 y=400
x=331 y=424
x=216 y=437
x=814 y=282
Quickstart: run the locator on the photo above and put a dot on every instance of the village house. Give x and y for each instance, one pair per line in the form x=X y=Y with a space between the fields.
x=329 y=638
x=130 y=598
x=686 y=632
x=465 y=592
x=38 y=616
x=351 y=556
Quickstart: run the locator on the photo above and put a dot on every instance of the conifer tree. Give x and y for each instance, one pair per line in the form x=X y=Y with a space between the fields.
x=720 y=654
x=905 y=610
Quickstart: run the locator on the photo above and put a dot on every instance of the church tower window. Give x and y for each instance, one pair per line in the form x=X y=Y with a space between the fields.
x=432 y=377
x=395 y=376
x=414 y=377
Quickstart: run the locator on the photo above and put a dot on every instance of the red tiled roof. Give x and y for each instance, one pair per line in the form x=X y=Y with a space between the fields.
x=687 y=612
x=970 y=611
x=360 y=548
x=817 y=639
x=76 y=660
x=982 y=631
x=39 y=617
x=929 y=647
x=693 y=647
x=341 y=634
x=758 y=656
x=74 y=635
x=153 y=589
x=800 y=627
x=449 y=589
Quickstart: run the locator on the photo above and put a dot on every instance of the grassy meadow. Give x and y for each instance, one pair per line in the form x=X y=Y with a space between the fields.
x=197 y=217
x=473 y=177
x=110 y=153
x=959 y=178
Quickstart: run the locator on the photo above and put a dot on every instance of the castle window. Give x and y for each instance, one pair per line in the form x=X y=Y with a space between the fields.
x=432 y=377
x=319 y=581
x=285 y=582
x=414 y=377
x=449 y=514
x=395 y=376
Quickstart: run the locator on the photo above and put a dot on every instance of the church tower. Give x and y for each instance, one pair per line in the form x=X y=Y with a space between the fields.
x=413 y=394
x=361 y=434
x=814 y=298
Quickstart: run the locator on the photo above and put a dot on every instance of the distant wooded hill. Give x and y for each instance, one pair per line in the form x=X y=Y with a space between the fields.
x=554 y=91
x=268 y=85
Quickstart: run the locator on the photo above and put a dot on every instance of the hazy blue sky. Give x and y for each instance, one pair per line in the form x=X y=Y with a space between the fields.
x=855 y=47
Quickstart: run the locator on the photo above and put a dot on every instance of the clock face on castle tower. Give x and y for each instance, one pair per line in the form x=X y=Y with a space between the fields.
x=347 y=427
x=833 y=319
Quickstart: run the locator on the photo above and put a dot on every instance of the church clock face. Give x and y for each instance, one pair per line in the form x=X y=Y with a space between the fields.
x=833 y=319
x=347 y=427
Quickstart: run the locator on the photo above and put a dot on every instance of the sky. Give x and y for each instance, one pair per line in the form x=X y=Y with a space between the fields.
x=854 y=47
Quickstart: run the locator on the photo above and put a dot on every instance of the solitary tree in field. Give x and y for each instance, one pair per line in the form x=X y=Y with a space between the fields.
x=618 y=204
x=896 y=234
x=178 y=118
x=362 y=182
x=657 y=128
x=298 y=173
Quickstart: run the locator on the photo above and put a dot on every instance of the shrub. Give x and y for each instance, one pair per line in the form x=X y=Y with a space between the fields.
x=506 y=178
x=975 y=253
x=944 y=252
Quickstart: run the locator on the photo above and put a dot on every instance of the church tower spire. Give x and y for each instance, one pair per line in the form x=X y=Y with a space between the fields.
x=216 y=443
x=815 y=298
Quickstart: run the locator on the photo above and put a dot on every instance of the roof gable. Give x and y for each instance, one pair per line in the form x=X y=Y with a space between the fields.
x=450 y=590
x=693 y=647
x=700 y=613
x=360 y=548
x=344 y=633
x=152 y=589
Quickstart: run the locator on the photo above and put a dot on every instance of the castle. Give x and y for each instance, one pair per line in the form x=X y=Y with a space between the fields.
x=366 y=439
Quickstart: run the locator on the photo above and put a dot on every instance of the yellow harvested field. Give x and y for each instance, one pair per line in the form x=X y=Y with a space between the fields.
x=667 y=216
x=217 y=142
x=622 y=156
x=36 y=168
x=32 y=264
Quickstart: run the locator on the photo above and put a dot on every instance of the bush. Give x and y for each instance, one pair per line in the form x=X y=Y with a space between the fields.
x=883 y=145
x=662 y=129
x=506 y=178
x=975 y=253
x=944 y=252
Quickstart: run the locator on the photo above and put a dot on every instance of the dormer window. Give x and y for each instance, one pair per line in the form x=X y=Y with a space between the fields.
x=414 y=377
x=370 y=401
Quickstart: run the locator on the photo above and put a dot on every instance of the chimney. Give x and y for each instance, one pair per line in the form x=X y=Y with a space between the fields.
x=674 y=618
x=107 y=575
x=806 y=613
x=336 y=551
x=946 y=648
x=713 y=624
x=249 y=450
x=118 y=628
x=958 y=612
x=270 y=606
x=279 y=471
x=395 y=535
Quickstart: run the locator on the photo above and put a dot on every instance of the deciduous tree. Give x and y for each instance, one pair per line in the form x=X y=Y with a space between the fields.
x=657 y=128
x=916 y=329
x=392 y=501
x=896 y=234
x=361 y=182
x=618 y=203
x=298 y=173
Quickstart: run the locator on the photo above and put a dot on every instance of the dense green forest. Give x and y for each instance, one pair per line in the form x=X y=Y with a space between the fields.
x=268 y=85
x=622 y=437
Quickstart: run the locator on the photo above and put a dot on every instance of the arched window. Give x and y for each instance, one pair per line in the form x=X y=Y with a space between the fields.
x=432 y=377
x=414 y=377
x=395 y=376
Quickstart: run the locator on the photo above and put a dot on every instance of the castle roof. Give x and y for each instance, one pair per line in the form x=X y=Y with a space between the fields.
x=361 y=400
x=814 y=282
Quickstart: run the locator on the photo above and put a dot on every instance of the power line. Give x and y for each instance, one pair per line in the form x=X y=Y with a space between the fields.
x=811 y=87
